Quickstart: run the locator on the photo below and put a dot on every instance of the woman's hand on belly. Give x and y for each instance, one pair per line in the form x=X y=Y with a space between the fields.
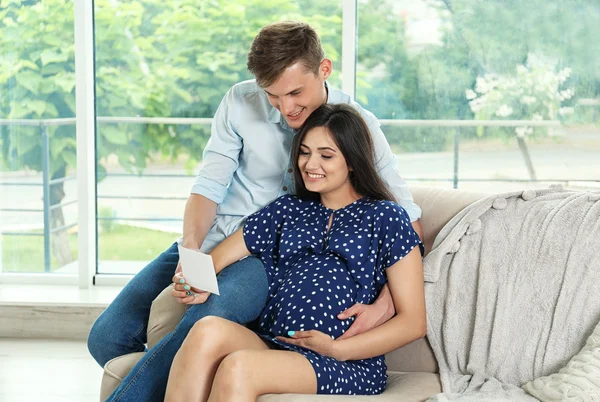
x=313 y=340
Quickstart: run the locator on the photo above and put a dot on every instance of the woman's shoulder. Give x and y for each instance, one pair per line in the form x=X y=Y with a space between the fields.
x=384 y=207
x=384 y=213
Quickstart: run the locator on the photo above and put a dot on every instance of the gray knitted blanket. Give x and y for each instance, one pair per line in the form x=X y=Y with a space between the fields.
x=513 y=291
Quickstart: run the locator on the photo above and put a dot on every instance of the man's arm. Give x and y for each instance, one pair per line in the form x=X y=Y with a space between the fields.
x=198 y=217
x=220 y=160
x=369 y=316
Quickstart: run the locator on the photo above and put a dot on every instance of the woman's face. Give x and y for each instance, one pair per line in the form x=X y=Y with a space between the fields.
x=321 y=163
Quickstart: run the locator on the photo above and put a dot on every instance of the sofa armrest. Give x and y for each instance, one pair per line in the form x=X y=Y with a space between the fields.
x=165 y=314
x=417 y=356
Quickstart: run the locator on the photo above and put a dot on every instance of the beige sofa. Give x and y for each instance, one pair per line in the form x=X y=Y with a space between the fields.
x=412 y=369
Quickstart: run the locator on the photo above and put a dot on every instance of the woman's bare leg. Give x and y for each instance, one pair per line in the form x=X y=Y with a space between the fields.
x=244 y=375
x=195 y=364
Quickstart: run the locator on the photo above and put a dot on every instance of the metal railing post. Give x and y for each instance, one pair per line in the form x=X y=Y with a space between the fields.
x=1 y=133
x=456 y=143
x=0 y=239
x=46 y=194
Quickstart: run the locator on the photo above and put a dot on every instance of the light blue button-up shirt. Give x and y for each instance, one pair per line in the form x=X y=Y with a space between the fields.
x=247 y=159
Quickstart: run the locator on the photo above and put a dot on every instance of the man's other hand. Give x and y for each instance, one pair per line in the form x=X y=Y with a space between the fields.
x=368 y=316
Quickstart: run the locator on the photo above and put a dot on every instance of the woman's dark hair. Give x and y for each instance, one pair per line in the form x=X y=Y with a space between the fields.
x=353 y=138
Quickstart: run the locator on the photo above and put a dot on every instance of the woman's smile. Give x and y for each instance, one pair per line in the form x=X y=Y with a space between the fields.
x=314 y=176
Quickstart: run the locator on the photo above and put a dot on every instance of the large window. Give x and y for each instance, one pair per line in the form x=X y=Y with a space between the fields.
x=161 y=72
x=487 y=95
x=509 y=89
x=38 y=199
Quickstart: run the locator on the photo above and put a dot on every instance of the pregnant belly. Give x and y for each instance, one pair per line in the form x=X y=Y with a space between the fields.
x=311 y=299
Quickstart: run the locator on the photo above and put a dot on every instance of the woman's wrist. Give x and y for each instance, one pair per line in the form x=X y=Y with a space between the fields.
x=339 y=351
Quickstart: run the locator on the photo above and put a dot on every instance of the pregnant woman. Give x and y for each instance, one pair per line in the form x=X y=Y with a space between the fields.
x=337 y=242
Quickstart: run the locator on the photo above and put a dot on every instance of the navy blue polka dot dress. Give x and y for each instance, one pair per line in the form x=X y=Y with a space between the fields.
x=315 y=273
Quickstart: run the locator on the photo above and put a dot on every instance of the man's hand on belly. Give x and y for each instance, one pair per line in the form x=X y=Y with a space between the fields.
x=369 y=316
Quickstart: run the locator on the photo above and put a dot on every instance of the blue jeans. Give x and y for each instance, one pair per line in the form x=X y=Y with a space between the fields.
x=121 y=328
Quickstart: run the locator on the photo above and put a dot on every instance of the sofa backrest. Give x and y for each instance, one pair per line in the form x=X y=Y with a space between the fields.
x=438 y=205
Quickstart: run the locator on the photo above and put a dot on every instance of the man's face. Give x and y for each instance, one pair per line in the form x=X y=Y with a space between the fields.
x=297 y=92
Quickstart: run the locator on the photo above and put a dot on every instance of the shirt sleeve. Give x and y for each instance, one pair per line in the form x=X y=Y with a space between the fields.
x=220 y=157
x=398 y=237
x=386 y=166
x=263 y=228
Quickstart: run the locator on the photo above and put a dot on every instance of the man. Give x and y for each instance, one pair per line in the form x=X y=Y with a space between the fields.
x=246 y=165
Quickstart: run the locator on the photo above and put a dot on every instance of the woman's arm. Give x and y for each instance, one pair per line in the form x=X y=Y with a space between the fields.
x=369 y=316
x=405 y=279
x=231 y=250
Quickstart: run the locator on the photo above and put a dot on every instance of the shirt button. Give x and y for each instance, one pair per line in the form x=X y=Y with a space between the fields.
x=284 y=188
x=290 y=170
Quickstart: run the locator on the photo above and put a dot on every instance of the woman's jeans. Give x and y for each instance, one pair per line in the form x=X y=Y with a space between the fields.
x=121 y=328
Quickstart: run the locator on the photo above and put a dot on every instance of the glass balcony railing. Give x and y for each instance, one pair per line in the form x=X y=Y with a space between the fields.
x=468 y=154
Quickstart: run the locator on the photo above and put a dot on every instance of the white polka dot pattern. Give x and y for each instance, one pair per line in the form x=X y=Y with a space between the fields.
x=315 y=273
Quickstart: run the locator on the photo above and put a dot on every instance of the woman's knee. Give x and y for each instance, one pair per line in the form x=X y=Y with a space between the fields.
x=207 y=336
x=234 y=375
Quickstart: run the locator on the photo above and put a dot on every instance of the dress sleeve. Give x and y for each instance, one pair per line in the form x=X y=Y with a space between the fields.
x=263 y=228
x=397 y=236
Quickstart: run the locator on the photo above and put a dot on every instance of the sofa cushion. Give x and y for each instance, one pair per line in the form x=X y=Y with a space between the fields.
x=439 y=205
x=405 y=387
x=165 y=314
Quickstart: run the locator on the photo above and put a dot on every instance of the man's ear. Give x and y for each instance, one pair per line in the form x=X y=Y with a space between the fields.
x=325 y=68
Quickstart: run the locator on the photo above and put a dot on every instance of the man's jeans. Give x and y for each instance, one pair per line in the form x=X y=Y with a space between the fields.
x=121 y=328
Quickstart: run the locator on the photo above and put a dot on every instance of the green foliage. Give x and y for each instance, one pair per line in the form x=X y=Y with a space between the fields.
x=107 y=225
x=26 y=253
x=534 y=92
x=153 y=59
x=401 y=79
x=37 y=80
x=177 y=58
